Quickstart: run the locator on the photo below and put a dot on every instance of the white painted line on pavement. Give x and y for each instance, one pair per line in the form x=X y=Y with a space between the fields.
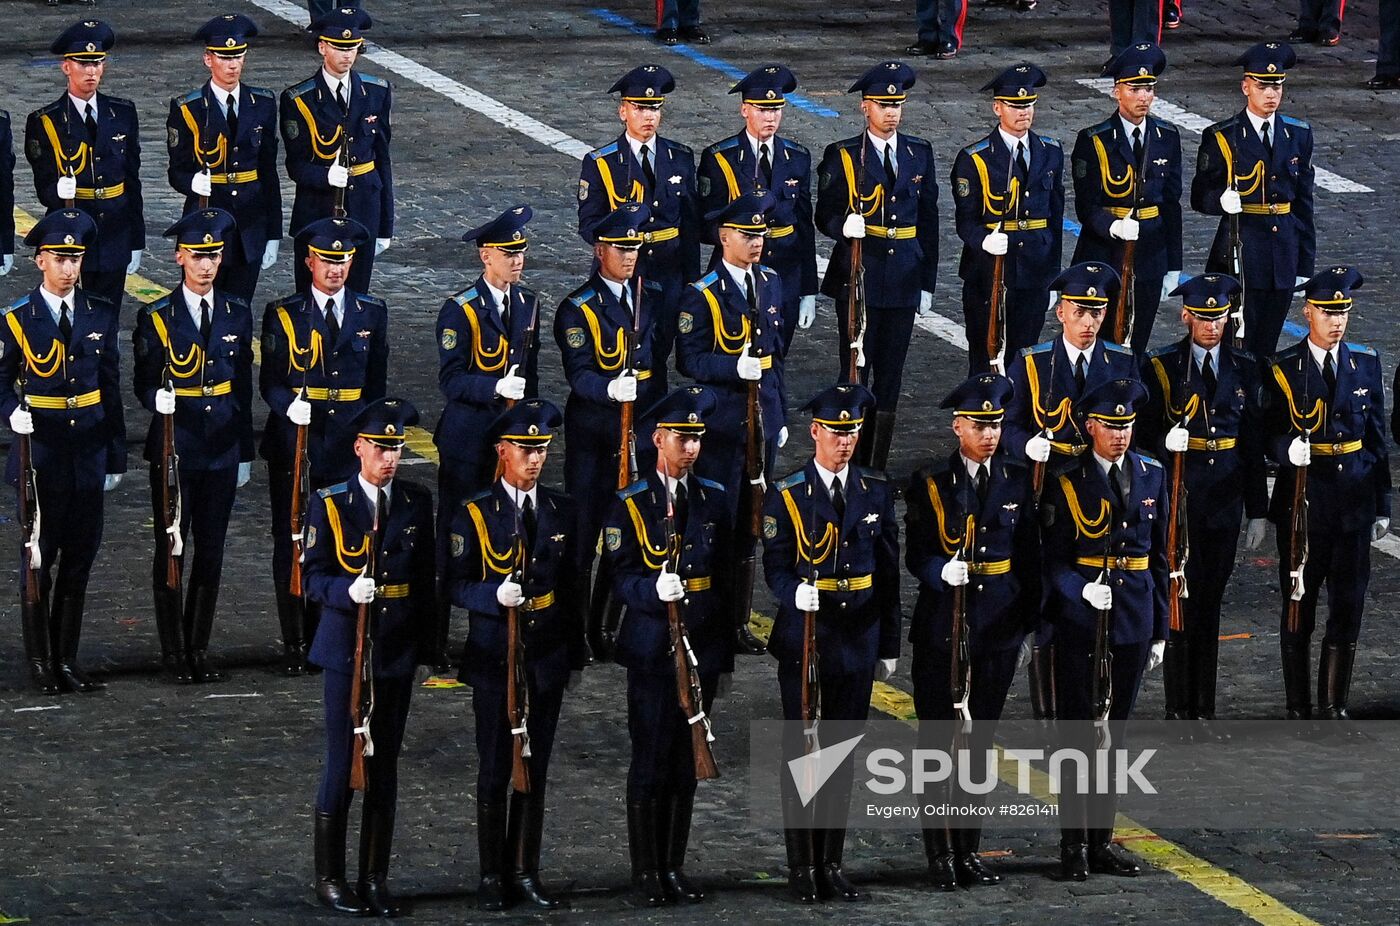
x=251 y=694
x=1333 y=183
x=42 y=707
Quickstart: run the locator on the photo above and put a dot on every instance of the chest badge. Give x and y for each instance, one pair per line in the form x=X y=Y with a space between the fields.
x=871 y=518
x=1160 y=162
x=793 y=181
x=1362 y=391
x=371 y=118
x=119 y=137
x=918 y=177
x=363 y=333
x=557 y=538
x=1011 y=506
x=95 y=336
x=675 y=179
x=1149 y=502
x=230 y=338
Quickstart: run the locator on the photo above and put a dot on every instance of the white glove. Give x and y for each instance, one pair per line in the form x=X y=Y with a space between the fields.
x=669 y=587
x=201 y=184
x=807 y=598
x=7 y=263
x=299 y=412
x=1124 y=229
x=512 y=385
x=806 y=311
x=854 y=226
x=1380 y=529
x=1299 y=452
x=748 y=367
x=245 y=472
x=1230 y=202
x=885 y=668
x=509 y=594
x=135 y=264
x=575 y=680
x=925 y=303
x=1178 y=439
x=1156 y=654
x=381 y=245
x=1170 y=281
x=954 y=573
x=1038 y=449
x=1254 y=533
x=270 y=253
x=362 y=590
x=67 y=187
x=1023 y=658
x=995 y=243
x=782 y=436
x=1099 y=596
x=337 y=176
x=21 y=421
x=165 y=401
x=111 y=481
x=723 y=685
x=623 y=389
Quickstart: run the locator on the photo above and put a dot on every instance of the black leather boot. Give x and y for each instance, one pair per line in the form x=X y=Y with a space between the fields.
x=1334 y=680
x=883 y=437
x=525 y=836
x=491 y=854
x=199 y=621
x=1176 y=679
x=1106 y=858
x=331 y=889
x=1297 y=697
x=744 y=575
x=967 y=862
x=938 y=850
x=673 y=838
x=1040 y=674
x=376 y=842
x=641 y=842
x=802 y=875
x=170 y=629
x=34 y=620
x=289 y=619
x=1074 y=855
x=831 y=879
x=1205 y=661
x=70 y=629
x=604 y=614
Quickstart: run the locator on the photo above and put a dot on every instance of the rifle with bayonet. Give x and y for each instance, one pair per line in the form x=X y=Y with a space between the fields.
x=29 y=516
x=855 y=287
x=362 y=674
x=627 y=448
x=811 y=681
x=1103 y=647
x=961 y=661
x=1298 y=520
x=517 y=679
x=170 y=497
x=1125 y=307
x=996 y=304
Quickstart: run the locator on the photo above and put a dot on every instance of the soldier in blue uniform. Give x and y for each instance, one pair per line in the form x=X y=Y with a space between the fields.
x=223 y=152
x=7 y=195
x=1105 y=542
x=335 y=127
x=85 y=151
x=325 y=353
x=757 y=159
x=488 y=351
x=831 y=547
x=979 y=489
x=194 y=361
x=593 y=327
x=641 y=166
x=1009 y=200
x=1203 y=400
x=650 y=568
x=1127 y=187
x=1257 y=166
x=1325 y=410
x=1042 y=425
x=881 y=186
x=730 y=335
x=60 y=384
x=513 y=547
x=399 y=595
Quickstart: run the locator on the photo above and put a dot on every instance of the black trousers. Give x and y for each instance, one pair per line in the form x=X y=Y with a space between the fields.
x=1323 y=17
x=663 y=763
x=1342 y=561
x=1133 y=21
x=887 y=335
x=386 y=728
x=844 y=696
x=495 y=746
x=1265 y=312
x=1024 y=311
x=1388 y=51
x=206 y=501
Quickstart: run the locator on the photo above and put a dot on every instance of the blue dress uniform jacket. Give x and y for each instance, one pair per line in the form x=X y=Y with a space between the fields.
x=901 y=260
x=484 y=535
x=635 y=547
x=1276 y=229
x=243 y=169
x=213 y=382
x=340 y=378
x=314 y=129
x=339 y=519
x=1079 y=526
x=1348 y=485
x=1046 y=393
x=714 y=323
x=74 y=392
x=979 y=179
x=1003 y=594
x=857 y=568
x=728 y=169
x=108 y=173
x=1225 y=462
x=7 y=185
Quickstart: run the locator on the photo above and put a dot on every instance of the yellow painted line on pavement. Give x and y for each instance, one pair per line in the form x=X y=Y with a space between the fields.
x=1214 y=882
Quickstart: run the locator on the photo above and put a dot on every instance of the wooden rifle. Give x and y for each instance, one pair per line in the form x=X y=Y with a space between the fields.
x=1103 y=647
x=517 y=680
x=755 y=442
x=1298 y=521
x=170 y=498
x=961 y=661
x=1236 y=267
x=627 y=449
x=1178 y=541
x=1037 y=467
x=301 y=480
x=362 y=676
x=688 y=690
x=855 y=288
x=29 y=519
x=996 y=305
x=811 y=679
x=1124 y=307
x=516 y=360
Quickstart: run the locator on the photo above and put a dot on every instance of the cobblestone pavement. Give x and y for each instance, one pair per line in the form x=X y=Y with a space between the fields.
x=155 y=804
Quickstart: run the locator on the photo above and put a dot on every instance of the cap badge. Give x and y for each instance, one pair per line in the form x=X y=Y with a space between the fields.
x=516 y=235
x=67 y=239
x=692 y=418
x=336 y=244
x=650 y=92
x=1272 y=67
x=1091 y=291
x=757 y=218
x=390 y=429
x=845 y=415
x=230 y=42
x=891 y=89
x=1118 y=409
x=1211 y=303
x=772 y=94
x=91 y=46
x=533 y=430
x=208 y=238
x=986 y=405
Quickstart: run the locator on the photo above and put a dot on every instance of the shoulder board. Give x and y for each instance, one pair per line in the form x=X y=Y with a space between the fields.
x=1104 y=126
x=677 y=146
x=1287 y=353
x=53 y=107
x=1163 y=125
x=1046 y=139
x=240 y=303
x=604 y=151
x=193 y=96
x=1150 y=461
x=119 y=101
x=730 y=142
x=339 y=488
x=650 y=285
x=580 y=296
x=479 y=497
x=97 y=302
x=1289 y=120
x=635 y=488
x=710 y=483
x=367 y=299
x=19 y=303
x=788 y=482
x=916 y=140
x=978 y=147
x=767 y=271
x=291 y=302
x=1244 y=356
x=1362 y=349
x=875 y=475
x=155 y=308
x=1223 y=125
x=1014 y=466
x=463 y=298
x=526 y=292
x=1168 y=349
x=298 y=89
x=1117 y=348
x=706 y=281
x=1037 y=348
x=374 y=80
x=936 y=468
x=791 y=145
x=262 y=92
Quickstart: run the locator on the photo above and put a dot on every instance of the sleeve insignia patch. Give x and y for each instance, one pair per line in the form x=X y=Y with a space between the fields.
x=574 y=337
x=964 y=188
x=582 y=190
x=685 y=323
x=612 y=537
x=449 y=338
x=459 y=545
x=310 y=536
x=770 y=527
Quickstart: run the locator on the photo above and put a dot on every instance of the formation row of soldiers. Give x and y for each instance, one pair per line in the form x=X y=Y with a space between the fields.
x=683 y=528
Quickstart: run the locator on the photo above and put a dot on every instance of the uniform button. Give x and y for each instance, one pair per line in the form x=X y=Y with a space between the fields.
x=845 y=544
x=843 y=606
x=894 y=199
x=685 y=601
x=981 y=549
x=1210 y=462
x=689 y=568
x=984 y=529
x=335 y=372
x=1274 y=229
x=233 y=192
x=1120 y=581
x=979 y=588
x=891 y=252
x=1020 y=244
x=655 y=204
x=72 y=422
x=208 y=408
x=1339 y=467
x=1125 y=524
x=1212 y=429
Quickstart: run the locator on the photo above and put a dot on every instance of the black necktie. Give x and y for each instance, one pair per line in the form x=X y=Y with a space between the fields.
x=682 y=508
x=382 y=502
x=1137 y=147
x=1079 y=373
x=340 y=97
x=505 y=311
x=765 y=165
x=1119 y=485
x=331 y=324
x=1268 y=140
x=749 y=293
x=889 y=168
x=90 y=120
x=65 y=322
x=527 y=514
x=231 y=117
x=838 y=499
x=1023 y=166
x=206 y=320
x=626 y=300
x=981 y=484
x=647 y=170
x=1208 y=374
x=1329 y=375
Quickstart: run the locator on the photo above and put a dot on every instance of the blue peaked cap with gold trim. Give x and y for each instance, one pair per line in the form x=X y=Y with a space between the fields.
x=203 y=230
x=506 y=231
x=1115 y=402
x=684 y=410
x=528 y=423
x=385 y=422
x=1331 y=289
x=841 y=407
x=983 y=397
